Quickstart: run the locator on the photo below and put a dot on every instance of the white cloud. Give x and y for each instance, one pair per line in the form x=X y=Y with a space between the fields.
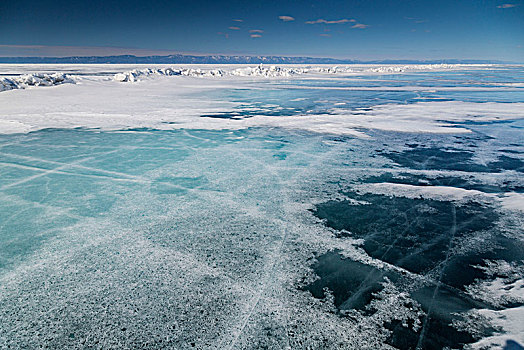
x=286 y=18
x=256 y=35
x=416 y=20
x=326 y=35
x=360 y=26
x=324 y=21
x=234 y=28
x=238 y=20
x=256 y=31
x=506 y=6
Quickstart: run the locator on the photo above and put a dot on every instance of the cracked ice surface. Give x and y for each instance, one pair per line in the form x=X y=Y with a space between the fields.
x=146 y=240
x=170 y=249
x=240 y=214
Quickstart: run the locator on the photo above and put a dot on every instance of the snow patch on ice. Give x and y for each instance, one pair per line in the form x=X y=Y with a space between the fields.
x=513 y=201
x=442 y=193
x=499 y=291
x=511 y=323
x=13 y=127
x=442 y=113
x=505 y=285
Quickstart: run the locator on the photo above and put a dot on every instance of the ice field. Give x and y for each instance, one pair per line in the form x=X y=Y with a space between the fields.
x=235 y=207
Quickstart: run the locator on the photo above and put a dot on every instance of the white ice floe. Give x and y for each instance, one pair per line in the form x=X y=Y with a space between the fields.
x=97 y=102
x=386 y=69
x=13 y=127
x=36 y=79
x=448 y=111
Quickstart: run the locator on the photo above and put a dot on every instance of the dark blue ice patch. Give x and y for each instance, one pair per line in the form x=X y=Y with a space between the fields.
x=418 y=235
x=507 y=163
x=513 y=345
x=411 y=233
x=354 y=285
x=433 y=158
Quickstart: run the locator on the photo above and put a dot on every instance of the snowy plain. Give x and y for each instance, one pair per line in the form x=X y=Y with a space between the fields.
x=169 y=101
x=218 y=207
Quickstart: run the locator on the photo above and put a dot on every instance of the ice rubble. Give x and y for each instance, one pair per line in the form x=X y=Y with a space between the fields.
x=43 y=79
x=35 y=79
x=268 y=71
x=259 y=71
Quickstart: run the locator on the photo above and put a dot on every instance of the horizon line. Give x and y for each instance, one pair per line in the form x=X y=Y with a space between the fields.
x=44 y=57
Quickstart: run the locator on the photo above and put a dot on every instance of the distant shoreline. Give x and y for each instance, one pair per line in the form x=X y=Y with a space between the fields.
x=222 y=59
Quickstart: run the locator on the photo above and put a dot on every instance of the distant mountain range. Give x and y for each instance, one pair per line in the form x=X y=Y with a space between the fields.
x=221 y=59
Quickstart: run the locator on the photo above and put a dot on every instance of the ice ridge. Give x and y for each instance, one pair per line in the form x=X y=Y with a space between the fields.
x=269 y=71
x=36 y=79
x=44 y=79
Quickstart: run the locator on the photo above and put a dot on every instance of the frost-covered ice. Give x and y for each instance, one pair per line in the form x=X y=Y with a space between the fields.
x=246 y=208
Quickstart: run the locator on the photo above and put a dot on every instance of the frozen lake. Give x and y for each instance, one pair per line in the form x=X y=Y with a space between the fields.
x=287 y=208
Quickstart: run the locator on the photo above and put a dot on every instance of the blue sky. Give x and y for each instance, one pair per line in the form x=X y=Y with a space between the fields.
x=374 y=29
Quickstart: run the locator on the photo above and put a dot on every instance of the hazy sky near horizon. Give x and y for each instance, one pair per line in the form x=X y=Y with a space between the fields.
x=374 y=29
